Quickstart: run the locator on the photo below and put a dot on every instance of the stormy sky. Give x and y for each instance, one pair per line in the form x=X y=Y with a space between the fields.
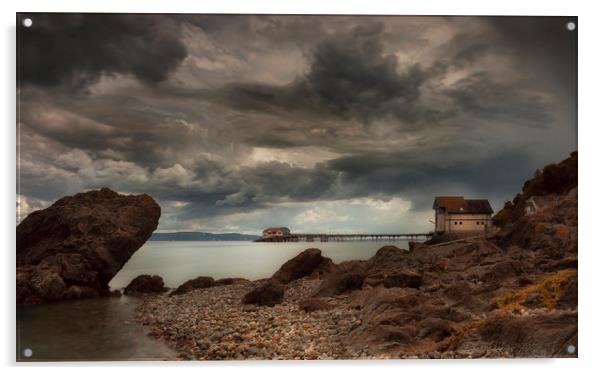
x=320 y=123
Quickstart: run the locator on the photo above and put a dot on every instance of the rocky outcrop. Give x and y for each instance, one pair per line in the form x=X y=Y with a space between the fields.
x=145 y=284
x=268 y=294
x=306 y=263
x=511 y=294
x=190 y=285
x=545 y=334
x=345 y=277
x=403 y=279
x=551 y=231
x=310 y=262
x=230 y=281
x=554 y=180
x=203 y=282
x=73 y=248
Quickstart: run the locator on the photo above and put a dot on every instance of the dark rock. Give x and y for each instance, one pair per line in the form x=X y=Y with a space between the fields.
x=49 y=285
x=414 y=246
x=568 y=262
x=315 y=304
x=230 y=281
x=523 y=281
x=386 y=255
x=403 y=279
x=375 y=279
x=434 y=328
x=539 y=335
x=502 y=270
x=268 y=294
x=568 y=300
x=302 y=265
x=77 y=291
x=145 y=284
x=200 y=282
x=79 y=243
x=461 y=292
x=347 y=276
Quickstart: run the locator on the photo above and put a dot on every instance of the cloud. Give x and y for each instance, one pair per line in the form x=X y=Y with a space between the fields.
x=76 y=49
x=419 y=175
x=477 y=94
x=349 y=76
x=251 y=121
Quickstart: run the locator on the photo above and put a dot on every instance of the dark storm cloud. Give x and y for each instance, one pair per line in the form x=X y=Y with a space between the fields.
x=416 y=175
x=257 y=113
x=75 y=49
x=546 y=48
x=353 y=76
x=349 y=76
x=477 y=94
x=247 y=189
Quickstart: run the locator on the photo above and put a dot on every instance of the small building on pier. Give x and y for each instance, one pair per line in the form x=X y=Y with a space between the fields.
x=275 y=232
x=456 y=215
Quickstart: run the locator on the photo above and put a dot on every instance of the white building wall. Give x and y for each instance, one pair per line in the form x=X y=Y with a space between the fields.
x=459 y=223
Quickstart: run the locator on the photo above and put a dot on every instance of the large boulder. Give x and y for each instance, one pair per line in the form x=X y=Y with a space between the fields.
x=200 y=282
x=306 y=263
x=346 y=277
x=269 y=294
x=145 y=284
x=230 y=281
x=73 y=248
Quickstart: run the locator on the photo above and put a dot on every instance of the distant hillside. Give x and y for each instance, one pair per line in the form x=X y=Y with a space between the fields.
x=201 y=236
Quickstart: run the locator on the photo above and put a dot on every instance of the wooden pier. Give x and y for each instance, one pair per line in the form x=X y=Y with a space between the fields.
x=323 y=237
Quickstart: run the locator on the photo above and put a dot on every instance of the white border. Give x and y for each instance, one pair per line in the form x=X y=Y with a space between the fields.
x=590 y=182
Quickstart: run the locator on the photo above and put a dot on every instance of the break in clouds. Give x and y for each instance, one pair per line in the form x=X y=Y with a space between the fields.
x=319 y=123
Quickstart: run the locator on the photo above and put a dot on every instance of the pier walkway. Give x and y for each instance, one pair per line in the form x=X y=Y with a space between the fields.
x=323 y=237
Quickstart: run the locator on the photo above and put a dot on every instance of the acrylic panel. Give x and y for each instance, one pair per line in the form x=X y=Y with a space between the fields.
x=233 y=187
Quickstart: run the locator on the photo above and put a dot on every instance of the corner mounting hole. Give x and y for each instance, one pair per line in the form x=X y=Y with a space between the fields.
x=28 y=352
x=27 y=22
x=571 y=349
x=570 y=26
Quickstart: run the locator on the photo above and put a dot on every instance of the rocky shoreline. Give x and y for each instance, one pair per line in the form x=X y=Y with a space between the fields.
x=443 y=317
x=213 y=324
x=511 y=294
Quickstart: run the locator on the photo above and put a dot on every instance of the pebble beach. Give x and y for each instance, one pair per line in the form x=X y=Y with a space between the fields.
x=213 y=324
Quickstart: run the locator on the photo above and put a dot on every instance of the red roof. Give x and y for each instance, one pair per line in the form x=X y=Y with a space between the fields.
x=461 y=205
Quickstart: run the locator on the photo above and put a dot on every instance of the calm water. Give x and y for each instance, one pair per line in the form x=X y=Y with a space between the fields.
x=104 y=328
x=179 y=261
x=85 y=330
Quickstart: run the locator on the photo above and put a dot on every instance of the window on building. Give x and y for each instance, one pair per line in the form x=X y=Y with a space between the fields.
x=455 y=223
x=460 y=223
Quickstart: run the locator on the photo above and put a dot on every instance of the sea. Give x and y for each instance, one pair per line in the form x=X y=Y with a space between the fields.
x=104 y=329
